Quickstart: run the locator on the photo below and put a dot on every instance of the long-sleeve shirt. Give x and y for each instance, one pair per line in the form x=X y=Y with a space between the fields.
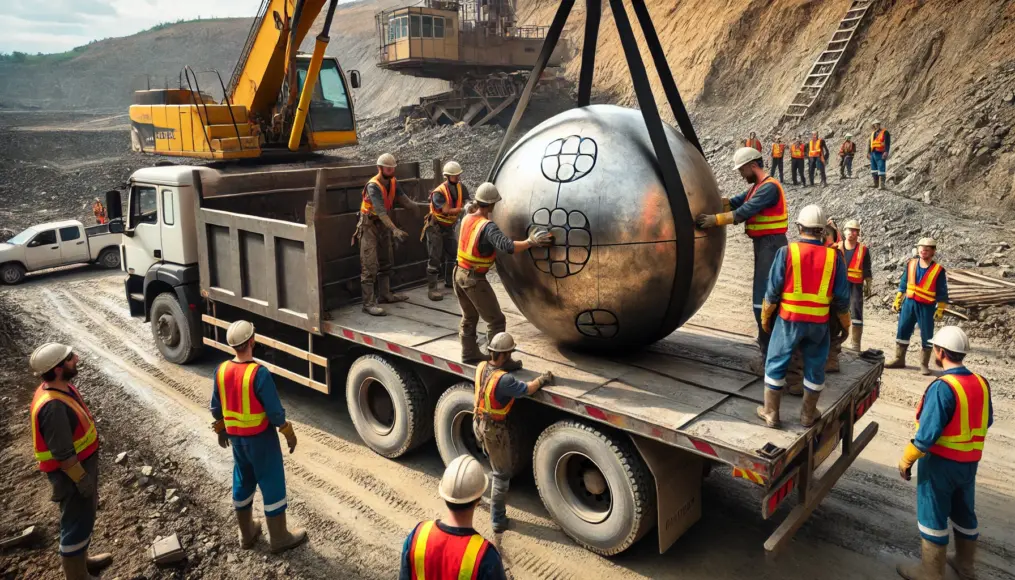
x=888 y=142
x=938 y=408
x=744 y=209
x=377 y=198
x=940 y=289
x=57 y=423
x=777 y=279
x=490 y=567
x=492 y=238
x=264 y=390
x=847 y=148
x=508 y=388
x=865 y=265
x=439 y=200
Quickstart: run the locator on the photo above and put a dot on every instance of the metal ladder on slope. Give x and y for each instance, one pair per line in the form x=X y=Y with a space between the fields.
x=824 y=66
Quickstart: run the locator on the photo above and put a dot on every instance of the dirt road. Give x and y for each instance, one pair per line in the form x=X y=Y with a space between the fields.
x=359 y=506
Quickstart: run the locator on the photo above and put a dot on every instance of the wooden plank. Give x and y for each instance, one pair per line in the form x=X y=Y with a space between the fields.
x=655 y=398
x=692 y=372
x=735 y=424
x=391 y=329
x=851 y=371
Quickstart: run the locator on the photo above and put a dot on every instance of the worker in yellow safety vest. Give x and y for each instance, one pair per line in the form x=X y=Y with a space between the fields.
x=446 y=203
x=921 y=299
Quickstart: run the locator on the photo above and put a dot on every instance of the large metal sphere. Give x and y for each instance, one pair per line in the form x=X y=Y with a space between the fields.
x=590 y=176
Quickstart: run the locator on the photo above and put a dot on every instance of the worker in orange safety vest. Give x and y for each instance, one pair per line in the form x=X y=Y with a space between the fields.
x=952 y=421
x=447 y=201
x=817 y=156
x=878 y=148
x=778 y=152
x=921 y=299
x=99 y=211
x=797 y=154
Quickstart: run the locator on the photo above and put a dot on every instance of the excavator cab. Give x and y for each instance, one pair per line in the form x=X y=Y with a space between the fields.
x=330 y=122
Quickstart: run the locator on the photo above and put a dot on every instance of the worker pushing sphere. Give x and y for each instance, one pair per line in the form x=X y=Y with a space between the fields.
x=920 y=300
x=446 y=203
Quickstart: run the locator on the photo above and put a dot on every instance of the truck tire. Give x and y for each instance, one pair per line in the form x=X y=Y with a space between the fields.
x=390 y=408
x=109 y=258
x=171 y=329
x=595 y=485
x=12 y=273
x=454 y=435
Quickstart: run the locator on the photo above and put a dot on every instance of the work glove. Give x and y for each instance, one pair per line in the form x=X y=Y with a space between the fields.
x=909 y=456
x=845 y=321
x=940 y=312
x=396 y=231
x=705 y=221
x=767 y=313
x=539 y=237
x=545 y=379
x=219 y=427
x=868 y=288
x=897 y=304
x=76 y=472
x=290 y=435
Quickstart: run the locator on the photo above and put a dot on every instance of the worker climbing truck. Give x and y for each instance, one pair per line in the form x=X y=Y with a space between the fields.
x=618 y=445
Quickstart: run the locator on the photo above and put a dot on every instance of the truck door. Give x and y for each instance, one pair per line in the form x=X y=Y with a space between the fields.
x=142 y=240
x=43 y=251
x=73 y=246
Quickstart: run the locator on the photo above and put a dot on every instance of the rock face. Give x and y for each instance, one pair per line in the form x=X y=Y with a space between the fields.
x=590 y=176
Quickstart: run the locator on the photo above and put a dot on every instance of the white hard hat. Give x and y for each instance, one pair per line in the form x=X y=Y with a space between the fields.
x=452 y=168
x=852 y=225
x=464 y=480
x=387 y=160
x=875 y=122
x=812 y=216
x=951 y=338
x=849 y=135
x=487 y=193
x=239 y=332
x=502 y=342
x=745 y=155
x=929 y=242
x=48 y=356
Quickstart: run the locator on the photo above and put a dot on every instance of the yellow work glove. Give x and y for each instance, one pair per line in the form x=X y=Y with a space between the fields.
x=909 y=456
x=767 y=312
x=940 y=312
x=76 y=472
x=897 y=305
x=724 y=219
x=845 y=321
x=290 y=435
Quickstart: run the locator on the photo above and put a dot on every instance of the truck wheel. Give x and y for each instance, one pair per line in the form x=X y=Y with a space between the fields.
x=171 y=330
x=12 y=273
x=109 y=258
x=454 y=435
x=595 y=485
x=390 y=408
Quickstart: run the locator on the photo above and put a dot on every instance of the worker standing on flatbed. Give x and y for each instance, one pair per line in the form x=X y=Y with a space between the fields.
x=860 y=277
x=446 y=202
x=763 y=208
x=374 y=233
x=921 y=299
x=478 y=243
x=247 y=410
x=496 y=391
x=952 y=422
x=806 y=281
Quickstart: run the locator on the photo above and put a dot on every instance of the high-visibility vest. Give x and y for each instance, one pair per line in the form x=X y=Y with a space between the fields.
x=796 y=151
x=437 y=555
x=86 y=440
x=756 y=144
x=847 y=148
x=778 y=149
x=807 y=291
x=243 y=413
x=451 y=202
x=771 y=220
x=485 y=402
x=388 y=195
x=100 y=212
x=963 y=436
x=469 y=255
x=814 y=148
x=878 y=140
x=923 y=291
x=854 y=272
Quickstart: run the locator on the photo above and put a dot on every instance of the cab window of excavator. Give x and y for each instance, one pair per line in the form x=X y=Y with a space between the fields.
x=329 y=106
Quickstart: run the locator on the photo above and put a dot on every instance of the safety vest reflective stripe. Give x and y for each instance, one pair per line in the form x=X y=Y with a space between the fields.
x=801 y=306
x=771 y=220
x=961 y=440
x=854 y=273
x=85 y=434
x=469 y=256
x=925 y=290
x=243 y=421
x=450 y=203
x=388 y=196
x=485 y=402
x=471 y=555
x=814 y=148
x=878 y=140
x=796 y=151
x=777 y=150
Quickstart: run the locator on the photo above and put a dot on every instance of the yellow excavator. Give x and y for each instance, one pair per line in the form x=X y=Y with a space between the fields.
x=276 y=100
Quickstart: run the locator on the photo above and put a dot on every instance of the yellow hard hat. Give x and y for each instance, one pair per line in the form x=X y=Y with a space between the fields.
x=464 y=481
x=452 y=168
x=487 y=193
x=387 y=160
x=239 y=332
x=48 y=356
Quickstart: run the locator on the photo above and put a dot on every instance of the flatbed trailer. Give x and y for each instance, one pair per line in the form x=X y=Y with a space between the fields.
x=618 y=445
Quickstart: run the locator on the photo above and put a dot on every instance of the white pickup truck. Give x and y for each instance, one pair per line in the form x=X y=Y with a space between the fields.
x=57 y=244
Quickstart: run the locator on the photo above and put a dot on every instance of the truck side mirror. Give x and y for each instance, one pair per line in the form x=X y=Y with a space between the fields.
x=354 y=79
x=116 y=226
x=114 y=207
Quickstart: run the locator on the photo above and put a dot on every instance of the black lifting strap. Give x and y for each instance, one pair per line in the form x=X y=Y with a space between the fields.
x=593 y=14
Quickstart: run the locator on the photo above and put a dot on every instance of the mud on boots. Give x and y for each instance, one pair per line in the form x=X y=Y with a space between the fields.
x=762 y=210
x=952 y=422
x=478 y=243
x=496 y=391
x=374 y=234
x=66 y=444
x=446 y=203
x=451 y=547
x=799 y=274
x=920 y=300
x=247 y=412
x=877 y=150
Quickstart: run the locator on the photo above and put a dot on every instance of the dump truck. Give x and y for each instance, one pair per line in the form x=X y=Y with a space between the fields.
x=620 y=443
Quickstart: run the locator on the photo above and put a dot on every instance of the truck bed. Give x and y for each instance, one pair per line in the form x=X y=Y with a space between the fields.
x=692 y=390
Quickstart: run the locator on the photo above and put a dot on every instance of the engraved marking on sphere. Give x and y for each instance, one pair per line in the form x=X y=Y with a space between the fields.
x=569 y=159
x=572 y=241
x=597 y=323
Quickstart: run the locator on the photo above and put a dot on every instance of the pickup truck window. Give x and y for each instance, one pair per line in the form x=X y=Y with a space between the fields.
x=22 y=237
x=68 y=234
x=168 y=217
x=45 y=238
x=144 y=206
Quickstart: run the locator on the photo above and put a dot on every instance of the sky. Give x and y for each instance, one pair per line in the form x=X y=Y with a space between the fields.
x=58 y=25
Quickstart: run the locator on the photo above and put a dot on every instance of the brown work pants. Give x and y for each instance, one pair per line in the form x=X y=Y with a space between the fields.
x=477 y=299
x=494 y=438
x=376 y=254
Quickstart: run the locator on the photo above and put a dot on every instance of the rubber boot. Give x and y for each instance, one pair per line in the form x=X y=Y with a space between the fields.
x=250 y=529
x=962 y=561
x=875 y=181
x=384 y=294
x=76 y=567
x=832 y=363
x=925 y=362
x=770 y=412
x=855 y=336
x=431 y=288
x=931 y=565
x=98 y=562
x=881 y=182
x=899 y=362
x=809 y=414
x=470 y=351
x=370 y=301
x=281 y=537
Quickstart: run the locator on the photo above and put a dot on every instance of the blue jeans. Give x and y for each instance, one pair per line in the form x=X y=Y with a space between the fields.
x=258 y=463
x=813 y=340
x=912 y=314
x=945 y=490
x=765 y=248
x=878 y=163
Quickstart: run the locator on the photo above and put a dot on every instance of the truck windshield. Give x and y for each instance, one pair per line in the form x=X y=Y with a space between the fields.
x=329 y=106
x=23 y=237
